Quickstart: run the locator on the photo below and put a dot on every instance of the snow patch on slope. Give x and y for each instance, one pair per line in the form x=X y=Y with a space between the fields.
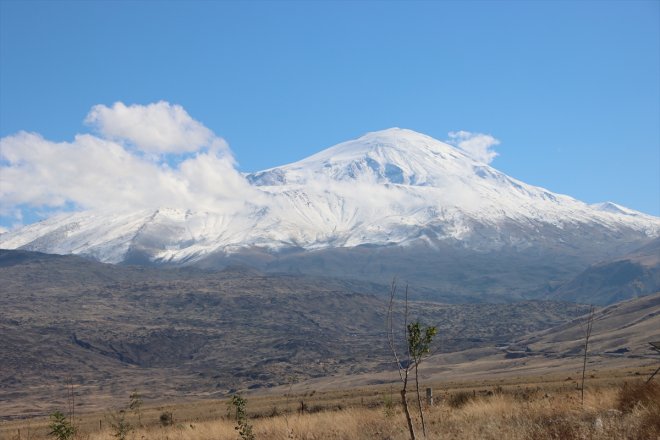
x=394 y=186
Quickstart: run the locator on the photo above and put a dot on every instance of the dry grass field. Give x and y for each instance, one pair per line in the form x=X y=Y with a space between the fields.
x=315 y=367
x=617 y=406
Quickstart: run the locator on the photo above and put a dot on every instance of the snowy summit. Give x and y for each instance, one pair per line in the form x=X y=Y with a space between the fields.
x=387 y=188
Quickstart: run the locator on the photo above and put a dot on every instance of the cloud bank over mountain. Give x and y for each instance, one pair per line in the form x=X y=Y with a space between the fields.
x=393 y=201
x=478 y=146
x=389 y=187
x=142 y=157
x=155 y=155
x=154 y=128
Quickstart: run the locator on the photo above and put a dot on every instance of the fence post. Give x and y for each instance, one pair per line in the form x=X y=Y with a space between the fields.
x=429 y=397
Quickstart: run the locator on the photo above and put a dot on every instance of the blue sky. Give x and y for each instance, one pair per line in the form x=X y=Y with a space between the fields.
x=570 y=89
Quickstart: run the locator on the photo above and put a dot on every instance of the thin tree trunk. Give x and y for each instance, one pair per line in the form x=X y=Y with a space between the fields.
x=587 y=335
x=584 y=368
x=656 y=347
x=419 y=399
x=404 y=401
x=403 y=372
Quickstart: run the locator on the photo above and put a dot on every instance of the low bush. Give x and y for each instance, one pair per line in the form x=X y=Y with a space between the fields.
x=166 y=419
x=459 y=399
x=60 y=427
x=638 y=393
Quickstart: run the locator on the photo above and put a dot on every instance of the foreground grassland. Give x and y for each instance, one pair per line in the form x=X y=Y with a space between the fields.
x=613 y=409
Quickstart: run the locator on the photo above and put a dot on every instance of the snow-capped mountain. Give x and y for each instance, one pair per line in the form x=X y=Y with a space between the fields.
x=392 y=188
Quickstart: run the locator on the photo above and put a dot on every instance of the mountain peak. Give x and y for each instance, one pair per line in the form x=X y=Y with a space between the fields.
x=399 y=138
x=394 y=133
x=393 y=186
x=394 y=155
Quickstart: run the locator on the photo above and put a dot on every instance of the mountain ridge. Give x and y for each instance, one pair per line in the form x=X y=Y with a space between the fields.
x=392 y=188
x=628 y=276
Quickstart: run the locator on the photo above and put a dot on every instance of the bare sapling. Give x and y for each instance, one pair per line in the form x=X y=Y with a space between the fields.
x=655 y=346
x=418 y=341
x=587 y=325
x=419 y=344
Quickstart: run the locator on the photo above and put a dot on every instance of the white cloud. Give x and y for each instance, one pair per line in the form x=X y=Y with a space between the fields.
x=100 y=173
x=476 y=145
x=155 y=128
x=3 y=229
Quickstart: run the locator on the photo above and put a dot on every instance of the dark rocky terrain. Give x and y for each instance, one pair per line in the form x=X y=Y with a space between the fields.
x=629 y=276
x=626 y=327
x=188 y=332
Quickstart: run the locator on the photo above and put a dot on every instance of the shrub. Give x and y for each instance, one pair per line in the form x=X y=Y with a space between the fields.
x=135 y=405
x=166 y=419
x=459 y=399
x=650 y=421
x=60 y=427
x=558 y=427
x=388 y=405
x=643 y=398
x=630 y=395
x=120 y=426
x=243 y=426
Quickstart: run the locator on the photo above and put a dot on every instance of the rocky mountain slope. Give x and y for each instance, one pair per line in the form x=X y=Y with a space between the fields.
x=624 y=328
x=187 y=332
x=629 y=276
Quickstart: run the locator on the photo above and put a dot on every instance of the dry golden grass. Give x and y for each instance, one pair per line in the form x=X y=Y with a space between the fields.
x=520 y=413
